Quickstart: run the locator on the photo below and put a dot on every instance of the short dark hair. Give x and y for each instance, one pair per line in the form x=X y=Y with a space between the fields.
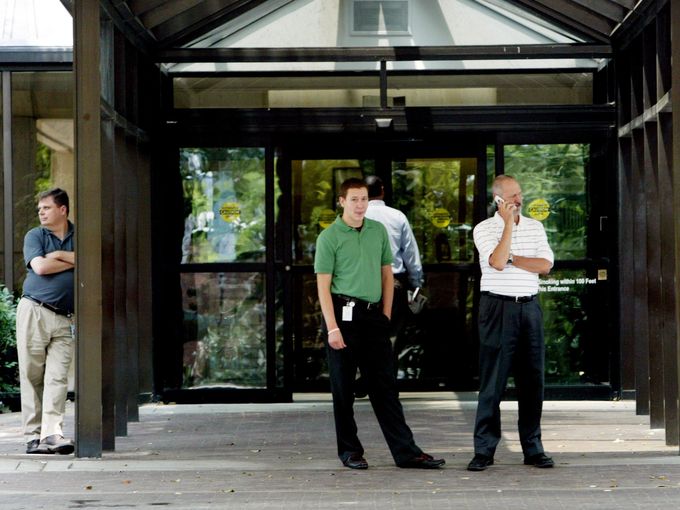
x=375 y=185
x=351 y=183
x=59 y=196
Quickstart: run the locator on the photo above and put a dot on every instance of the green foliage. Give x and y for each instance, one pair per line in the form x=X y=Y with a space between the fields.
x=226 y=341
x=9 y=368
x=212 y=177
x=422 y=186
x=43 y=168
x=557 y=174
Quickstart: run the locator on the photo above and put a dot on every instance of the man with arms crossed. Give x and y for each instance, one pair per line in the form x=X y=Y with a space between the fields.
x=45 y=333
x=513 y=251
x=353 y=264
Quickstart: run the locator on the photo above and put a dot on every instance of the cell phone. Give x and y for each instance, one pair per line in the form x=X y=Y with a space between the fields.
x=498 y=200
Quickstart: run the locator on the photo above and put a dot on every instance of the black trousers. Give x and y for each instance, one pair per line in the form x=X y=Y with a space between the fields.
x=400 y=311
x=369 y=349
x=511 y=338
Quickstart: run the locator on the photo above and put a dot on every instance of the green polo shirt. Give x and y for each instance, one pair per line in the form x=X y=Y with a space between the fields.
x=354 y=258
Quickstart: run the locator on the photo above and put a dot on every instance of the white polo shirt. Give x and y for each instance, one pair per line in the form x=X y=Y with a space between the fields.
x=528 y=240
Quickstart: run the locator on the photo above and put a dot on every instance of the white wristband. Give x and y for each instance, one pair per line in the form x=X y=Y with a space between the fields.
x=333 y=331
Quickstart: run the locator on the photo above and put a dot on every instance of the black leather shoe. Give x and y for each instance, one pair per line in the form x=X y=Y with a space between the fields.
x=34 y=446
x=423 y=461
x=57 y=444
x=540 y=460
x=355 y=461
x=360 y=390
x=480 y=462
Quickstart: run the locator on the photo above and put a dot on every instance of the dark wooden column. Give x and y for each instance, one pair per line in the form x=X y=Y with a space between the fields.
x=88 y=275
x=667 y=215
x=675 y=88
x=650 y=171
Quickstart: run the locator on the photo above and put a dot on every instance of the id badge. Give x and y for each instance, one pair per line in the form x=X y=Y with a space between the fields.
x=347 y=312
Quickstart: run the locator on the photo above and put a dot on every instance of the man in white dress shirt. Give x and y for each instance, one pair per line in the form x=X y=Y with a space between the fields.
x=513 y=251
x=406 y=265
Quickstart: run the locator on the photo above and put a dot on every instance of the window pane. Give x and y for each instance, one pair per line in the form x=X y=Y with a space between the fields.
x=315 y=195
x=553 y=180
x=311 y=365
x=437 y=196
x=224 y=329
x=278 y=92
x=576 y=351
x=224 y=194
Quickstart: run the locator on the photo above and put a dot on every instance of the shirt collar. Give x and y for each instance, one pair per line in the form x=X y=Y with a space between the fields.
x=499 y=219
x=346 y=228
x=376 y=201
x=69 y=231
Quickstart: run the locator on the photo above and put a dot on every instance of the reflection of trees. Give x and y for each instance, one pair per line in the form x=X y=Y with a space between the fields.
x=423 y=186
x=225 y=329
x=208 y=175
x=557 y=173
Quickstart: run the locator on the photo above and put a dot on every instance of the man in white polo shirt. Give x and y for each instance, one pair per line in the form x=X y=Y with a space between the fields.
x=513 y=251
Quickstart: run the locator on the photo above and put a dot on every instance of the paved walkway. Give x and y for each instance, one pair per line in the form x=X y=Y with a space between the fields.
x=280 y=456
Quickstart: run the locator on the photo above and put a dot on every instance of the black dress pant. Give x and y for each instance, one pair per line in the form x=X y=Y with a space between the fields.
x=511 y=338
x=369 y=349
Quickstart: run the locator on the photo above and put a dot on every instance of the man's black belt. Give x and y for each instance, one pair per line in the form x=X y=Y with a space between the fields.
x=516 y=299
x=365 y=305
x=52 y=308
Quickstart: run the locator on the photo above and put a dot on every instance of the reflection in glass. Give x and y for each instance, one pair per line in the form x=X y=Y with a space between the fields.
x=437 y=196
x=433 y=349
x=310 y=343
x=224 y=191
x=224 y=329
x=316 y=184
x=575 y=350
x=556 y=174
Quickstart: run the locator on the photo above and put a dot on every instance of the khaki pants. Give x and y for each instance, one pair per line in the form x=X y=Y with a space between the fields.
x=45 y=348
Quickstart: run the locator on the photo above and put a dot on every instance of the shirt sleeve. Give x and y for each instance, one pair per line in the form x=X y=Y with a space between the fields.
x=543 y=250
x=410 y=255
x=486 y=241
x=324 y=257
x=33 y=246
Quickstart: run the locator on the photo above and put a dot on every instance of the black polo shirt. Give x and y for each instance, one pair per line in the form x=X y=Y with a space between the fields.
x=54 y=289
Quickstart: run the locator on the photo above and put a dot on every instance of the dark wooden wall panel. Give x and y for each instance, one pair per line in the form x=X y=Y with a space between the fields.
x=675 y=87
x=640 y=288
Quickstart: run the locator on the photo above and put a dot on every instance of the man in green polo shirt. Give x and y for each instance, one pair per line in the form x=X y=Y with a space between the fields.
x=353 y=266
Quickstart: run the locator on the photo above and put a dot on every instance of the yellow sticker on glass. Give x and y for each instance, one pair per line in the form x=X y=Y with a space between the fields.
x=539 y=209
x=440 y=217
x=326 y=218
x=230 y=211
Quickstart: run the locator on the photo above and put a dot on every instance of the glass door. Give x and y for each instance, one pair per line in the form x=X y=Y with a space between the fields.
x=436 y=348
x=223 y=271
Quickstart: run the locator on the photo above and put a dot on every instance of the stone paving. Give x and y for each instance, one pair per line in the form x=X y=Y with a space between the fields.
x=280 y=456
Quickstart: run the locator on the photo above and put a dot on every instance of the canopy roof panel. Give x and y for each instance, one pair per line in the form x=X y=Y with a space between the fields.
x=161 y=24
x=34 y=24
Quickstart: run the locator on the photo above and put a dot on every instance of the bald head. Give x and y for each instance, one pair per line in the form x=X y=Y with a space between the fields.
x=500 y=182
